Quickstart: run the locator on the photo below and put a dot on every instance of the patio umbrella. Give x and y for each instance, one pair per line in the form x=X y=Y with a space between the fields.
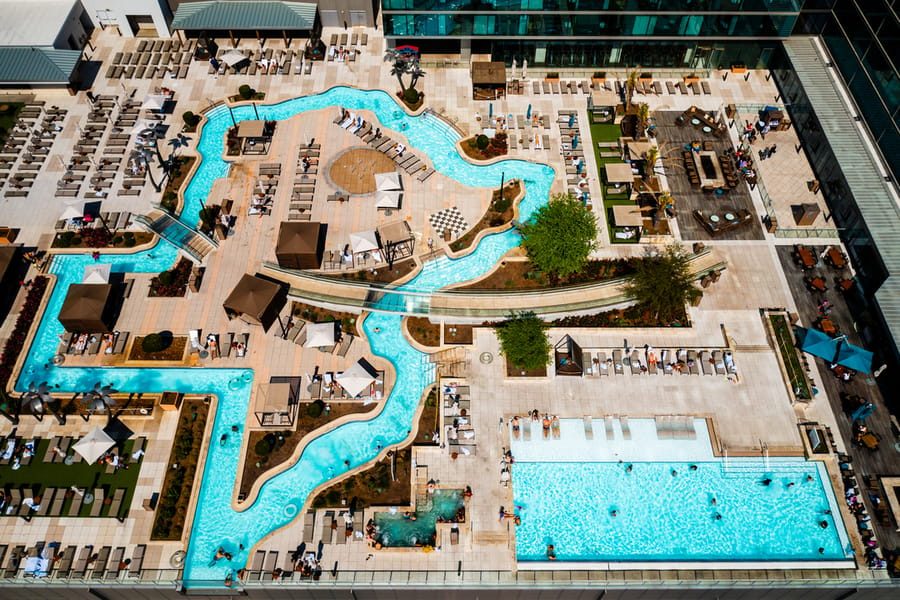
x=357 y=378
x=512 y=69
x=574 y=141
x=524 y=67
x=93 y=445
x=837 y=350
x=528 y=112
x=363 y=241
x=572 y=120
x=863 y=412
x=388 y=181
x=73 y=211
x=321 y=334
x=143 y=126
x=154 y=102
x=387 y=199
x=490 y=110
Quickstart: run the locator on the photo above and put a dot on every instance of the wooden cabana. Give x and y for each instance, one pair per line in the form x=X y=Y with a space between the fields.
x=568 y=357
x=300 y=244
x=275 y=404
x=397 y=241
x=256 y=301
x=488 y=80
x=88 y=308
x=255 y=138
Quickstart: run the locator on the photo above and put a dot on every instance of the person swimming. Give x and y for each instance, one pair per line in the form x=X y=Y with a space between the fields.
x=551 y=552
x=766 y=481
x=223 y=439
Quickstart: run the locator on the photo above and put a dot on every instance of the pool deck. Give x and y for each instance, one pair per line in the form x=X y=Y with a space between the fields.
x=756 y=409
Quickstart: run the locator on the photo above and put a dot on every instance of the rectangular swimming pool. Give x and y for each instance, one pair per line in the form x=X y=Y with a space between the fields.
x=616 y=507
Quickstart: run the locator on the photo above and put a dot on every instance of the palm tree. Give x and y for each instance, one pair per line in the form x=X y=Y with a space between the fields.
x=37 y=399
x=99 y=399
x=643 y=120
x=404 y=64
x=630 y=85
x=5 y=405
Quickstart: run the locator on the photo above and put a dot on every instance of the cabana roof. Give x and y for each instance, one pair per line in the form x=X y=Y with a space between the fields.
x=488 y=73
x=256 y=300
x=87 y=309
x=244 y=15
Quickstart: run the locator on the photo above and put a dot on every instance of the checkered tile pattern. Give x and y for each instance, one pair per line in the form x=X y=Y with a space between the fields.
x=449 y=218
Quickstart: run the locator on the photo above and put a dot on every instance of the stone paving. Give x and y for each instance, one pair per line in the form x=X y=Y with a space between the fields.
x=755 y=409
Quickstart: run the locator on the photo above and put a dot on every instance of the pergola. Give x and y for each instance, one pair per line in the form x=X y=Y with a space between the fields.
x=487 y=79
x=256 y=301
x=237 y=16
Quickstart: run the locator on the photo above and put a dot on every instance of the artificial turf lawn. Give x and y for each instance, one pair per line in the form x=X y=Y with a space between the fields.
x=39 y=476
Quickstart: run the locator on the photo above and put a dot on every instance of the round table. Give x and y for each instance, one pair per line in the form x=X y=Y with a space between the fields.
x=695 y=121
x=714 y=218
x=69 y=460
x=88 y=499
x=729 y=216
x=707 y=129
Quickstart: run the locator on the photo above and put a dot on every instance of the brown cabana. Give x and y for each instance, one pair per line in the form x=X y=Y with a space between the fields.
x=397 y=240
x=300 y=245
x=569 y=357
x=488 y=80
x=276 y=402
x=256 y=301
x=88 y=308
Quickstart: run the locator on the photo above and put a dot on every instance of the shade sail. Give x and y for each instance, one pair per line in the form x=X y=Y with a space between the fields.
x=154 y=101
x=364 y=241
x=93 y=445
x=835 y=350
x=388 y=181
x=357 y=378
x=619 y=173
x=300 y=245
x=251 y=129
x=256 y=300
x=97 y=273
x=321 y=334
x=388 y=198
x=87 y=308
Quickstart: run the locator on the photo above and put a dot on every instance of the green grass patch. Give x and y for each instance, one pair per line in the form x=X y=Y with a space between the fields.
x=606 y=132
x=785 y=340
x=607 y=136
x=39 y=476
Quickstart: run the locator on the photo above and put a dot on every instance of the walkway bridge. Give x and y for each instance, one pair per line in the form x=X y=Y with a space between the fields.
x=190 y=241
x=466 y=305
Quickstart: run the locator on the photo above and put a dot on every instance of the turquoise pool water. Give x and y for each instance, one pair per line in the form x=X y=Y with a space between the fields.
x=394 y=530
x=569 y=487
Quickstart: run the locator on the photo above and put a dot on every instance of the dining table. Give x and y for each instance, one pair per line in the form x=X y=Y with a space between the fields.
x=827 y=327
x=806 y=257
x=817 y=284
x=836 y=258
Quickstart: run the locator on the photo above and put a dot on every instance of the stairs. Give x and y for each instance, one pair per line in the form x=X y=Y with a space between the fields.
x=452 y=362
x=193 y=243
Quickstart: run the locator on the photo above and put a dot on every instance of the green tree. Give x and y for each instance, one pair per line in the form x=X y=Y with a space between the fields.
x=524 y=341
x=561 y=235
x=663 y=284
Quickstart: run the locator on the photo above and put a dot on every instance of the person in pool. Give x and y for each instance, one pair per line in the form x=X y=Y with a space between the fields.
x=551 y=552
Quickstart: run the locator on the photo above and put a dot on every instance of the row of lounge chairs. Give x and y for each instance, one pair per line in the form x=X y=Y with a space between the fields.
x=91 y=344
x=458 y=426
x=668 y=362
x=152 y=59
x=57 y=562
x=33 y=156
x=304 y=190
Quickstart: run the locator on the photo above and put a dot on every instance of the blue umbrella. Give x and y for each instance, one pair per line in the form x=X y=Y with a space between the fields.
x=571 y=119
x=574 y=141
x=490 y=110
x=528 y=112
x=836 y=350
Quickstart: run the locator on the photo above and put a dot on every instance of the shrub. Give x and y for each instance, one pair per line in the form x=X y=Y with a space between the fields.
x=262 y=448
x=190 y=119
x=245 y=92
x=411 y=95
x=315 y=409
x=129 y=239
x=153 y=343
x=482 y=141
x=117 y=240
x=66 y=238
x=502 y=205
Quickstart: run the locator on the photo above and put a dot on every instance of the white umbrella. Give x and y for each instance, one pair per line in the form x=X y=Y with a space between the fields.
x=357 y=378
x=93 y=445
x=98 y=273
x=524 y=68
x=320 y=334
x=363 y=241
x=154 y=101
x=512 y=69
x=73 y=211
x=387 y=198
x=233 y=57
x=388 y=181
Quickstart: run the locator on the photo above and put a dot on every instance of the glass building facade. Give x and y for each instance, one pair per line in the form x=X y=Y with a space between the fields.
x=863 y=38
x=597 y=33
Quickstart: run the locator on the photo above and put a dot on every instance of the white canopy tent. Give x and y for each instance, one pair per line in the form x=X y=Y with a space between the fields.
x=321 y=334
x=357 y=378
x=93 y=445
x=75 y=210
x=97 y=273
x=364 y=241
x=388 y=181
x=388 y=198
x=154 y=101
